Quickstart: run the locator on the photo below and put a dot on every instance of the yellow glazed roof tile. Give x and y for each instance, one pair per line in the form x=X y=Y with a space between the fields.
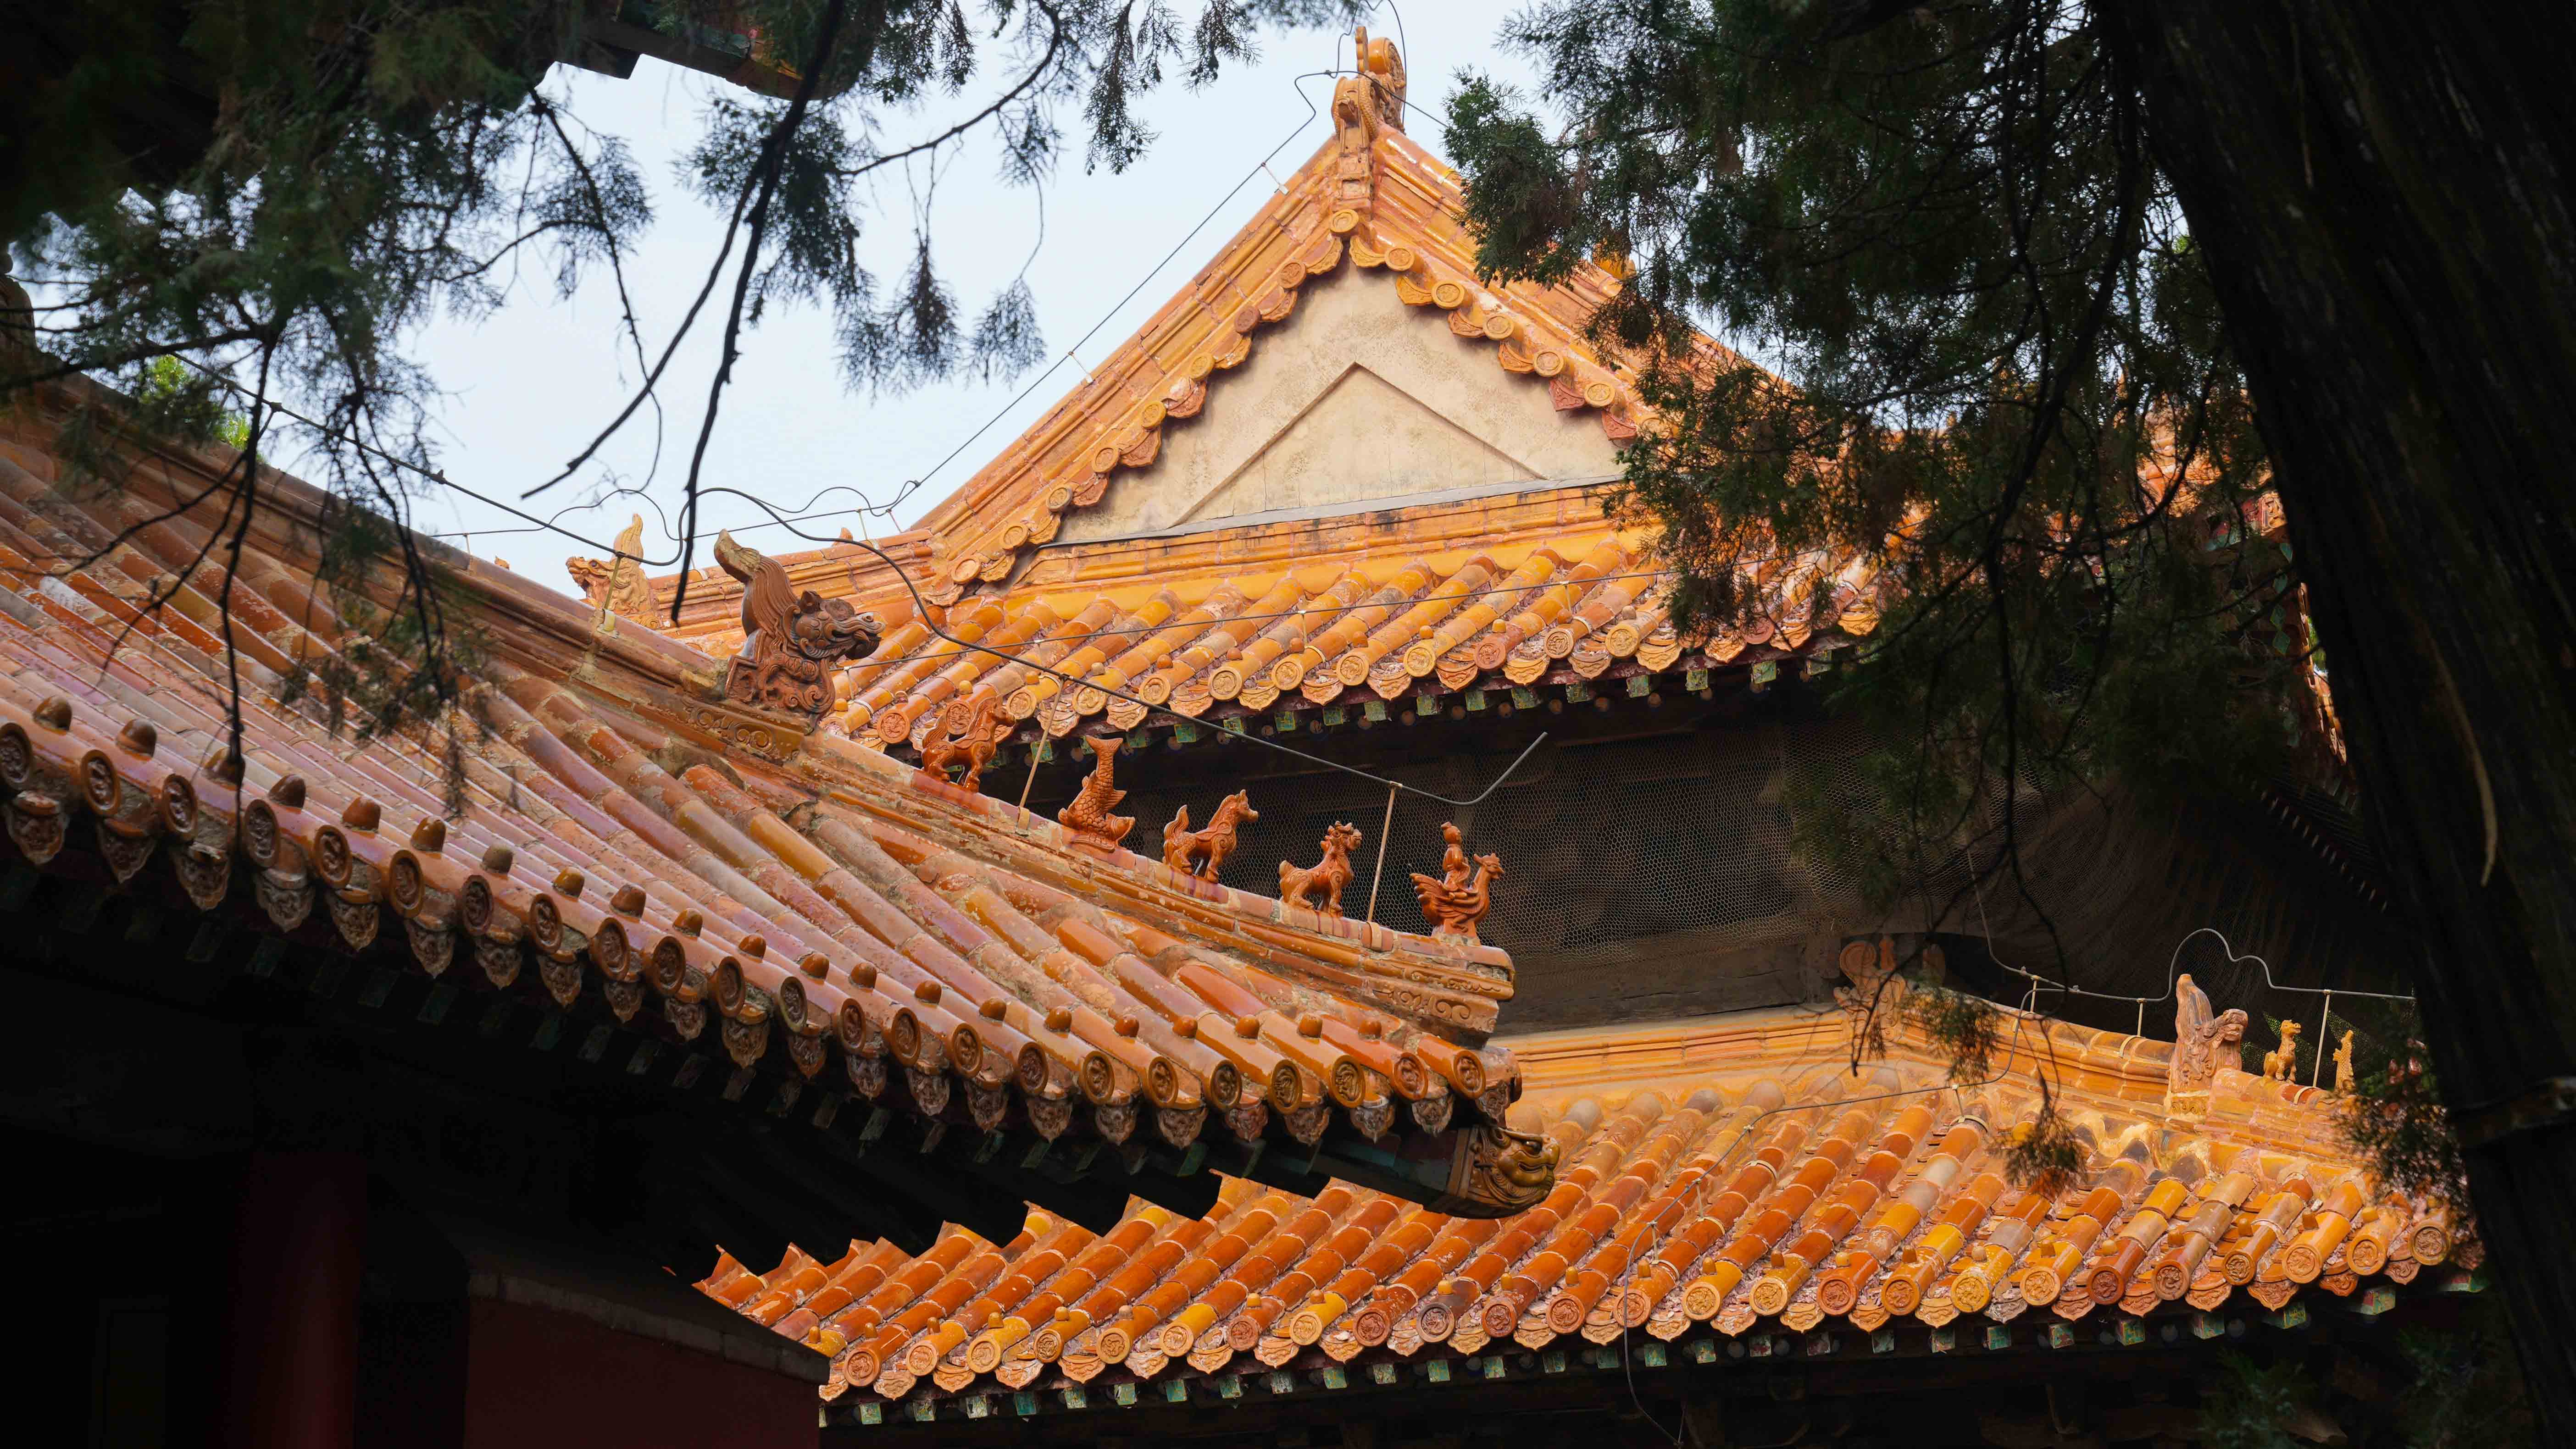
x=1773 y=1188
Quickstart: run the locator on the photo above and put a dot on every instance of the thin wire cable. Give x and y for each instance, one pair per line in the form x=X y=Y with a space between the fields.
x=920 y=605
x=802 y=510
x=887 y=509
x=923 y=614
x=865 y=507
x=1299 y=612
x=434 y=475
x=2021 y=1022
x=914 y=485
x=1404 y=43
x=921 y=611
x=2173 y=970
x=1699 y=1191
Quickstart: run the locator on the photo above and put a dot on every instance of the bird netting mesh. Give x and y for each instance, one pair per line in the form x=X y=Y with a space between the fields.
x=1600 y=843
x=1639 y=872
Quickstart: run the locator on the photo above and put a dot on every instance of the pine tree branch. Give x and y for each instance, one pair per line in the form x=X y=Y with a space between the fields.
x=773 y=157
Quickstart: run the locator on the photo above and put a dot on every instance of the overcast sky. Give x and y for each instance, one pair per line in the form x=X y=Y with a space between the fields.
x=530 y=384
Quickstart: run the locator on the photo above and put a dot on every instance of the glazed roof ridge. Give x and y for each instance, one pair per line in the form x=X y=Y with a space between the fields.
x=1563 y=508
x=1370 y=194
x=1406 y=225
x=1250 y=928
x=1330 y=512
x=634 y=839
x=1303 y=637
x=1769 y=1188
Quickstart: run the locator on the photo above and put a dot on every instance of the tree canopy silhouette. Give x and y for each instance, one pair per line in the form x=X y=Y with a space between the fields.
x=2047 y=293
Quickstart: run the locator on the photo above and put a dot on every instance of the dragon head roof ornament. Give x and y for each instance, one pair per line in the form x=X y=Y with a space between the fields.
x=618 y=586
x=2199 y=1033
x=791 y=640
x=1500 y=1172
x=1383 y=66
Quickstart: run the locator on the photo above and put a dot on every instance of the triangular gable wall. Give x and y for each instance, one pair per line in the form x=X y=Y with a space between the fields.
x=1371 y=201
x=1356 y=398
x=1209 y=409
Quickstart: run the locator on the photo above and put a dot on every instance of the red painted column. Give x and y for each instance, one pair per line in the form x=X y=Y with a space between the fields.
x=291 y=1336
x=537 y=1378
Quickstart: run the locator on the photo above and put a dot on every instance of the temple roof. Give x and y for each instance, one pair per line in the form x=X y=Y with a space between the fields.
x=1371 y=204
x=654 y=848
x=1497 y=592
x=1370 y=196
x=1735 y=1172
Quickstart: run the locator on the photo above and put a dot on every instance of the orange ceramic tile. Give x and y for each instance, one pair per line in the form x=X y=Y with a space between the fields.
x=1772 y=1191
x=638 y=835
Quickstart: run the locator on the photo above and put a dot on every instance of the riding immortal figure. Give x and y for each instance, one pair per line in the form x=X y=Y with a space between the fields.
x=1458 y=900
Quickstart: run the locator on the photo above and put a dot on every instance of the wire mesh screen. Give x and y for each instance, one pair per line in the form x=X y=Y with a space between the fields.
x=1656 y=876
x=2380 y=1029
x=2121 y=897
x=1601 y=844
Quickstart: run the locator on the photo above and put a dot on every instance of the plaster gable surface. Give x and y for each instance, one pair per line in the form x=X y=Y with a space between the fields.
x=1364 y=438
x=1357 y=397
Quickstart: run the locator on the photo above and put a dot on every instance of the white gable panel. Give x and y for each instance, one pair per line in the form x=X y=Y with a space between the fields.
x=1356 y=397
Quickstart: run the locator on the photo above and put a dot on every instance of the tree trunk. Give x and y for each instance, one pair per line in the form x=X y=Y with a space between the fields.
x=2382 y=190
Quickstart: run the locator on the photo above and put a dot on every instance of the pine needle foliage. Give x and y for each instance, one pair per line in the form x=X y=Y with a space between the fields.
x=1977 y=370
x=243 y=212
x=2394 y=1120
x=2043 y=1154
x=2468 y=1391
x=2255 y=1406
x=1962 y=1027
